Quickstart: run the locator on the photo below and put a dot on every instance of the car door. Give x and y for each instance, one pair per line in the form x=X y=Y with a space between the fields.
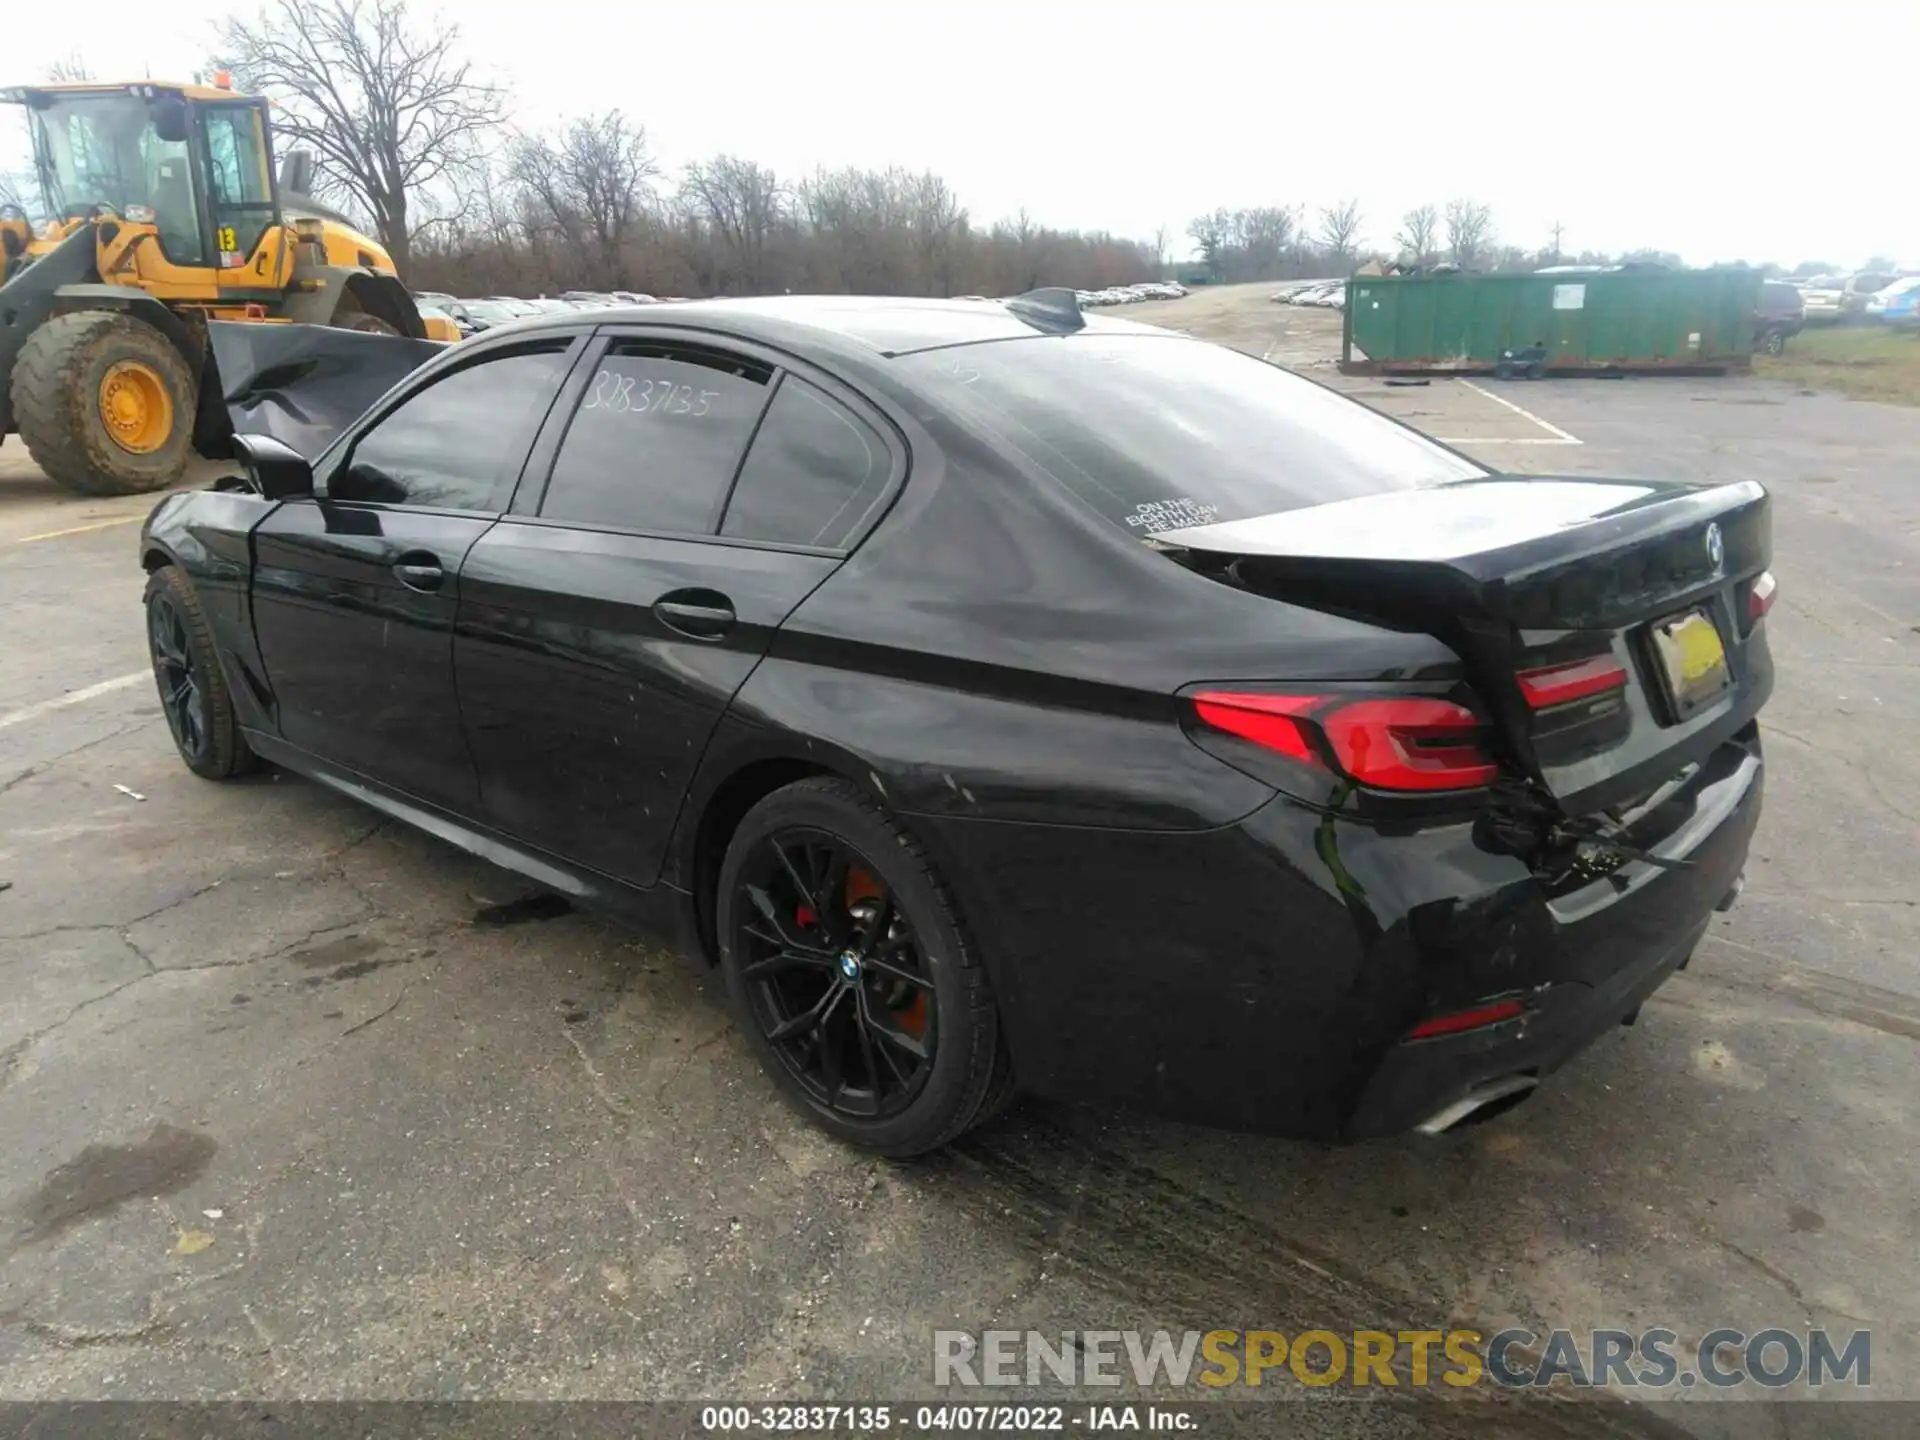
x=605 y=626
x=355 y=589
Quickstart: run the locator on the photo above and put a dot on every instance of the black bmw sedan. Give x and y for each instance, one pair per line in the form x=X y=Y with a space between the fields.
x=1006 y=699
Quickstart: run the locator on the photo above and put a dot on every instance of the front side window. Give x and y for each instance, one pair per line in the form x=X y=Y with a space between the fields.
x=814 y=474
x=459 y=443
x=105 y=150
x=656 y=439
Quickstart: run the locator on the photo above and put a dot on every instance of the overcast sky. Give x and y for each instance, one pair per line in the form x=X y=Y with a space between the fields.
x=1760 y=132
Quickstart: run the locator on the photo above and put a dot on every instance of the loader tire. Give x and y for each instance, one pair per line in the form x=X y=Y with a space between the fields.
x=363 y=322
x=105 y=403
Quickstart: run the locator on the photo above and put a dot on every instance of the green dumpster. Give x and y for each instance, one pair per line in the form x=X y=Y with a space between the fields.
x=1599 y=320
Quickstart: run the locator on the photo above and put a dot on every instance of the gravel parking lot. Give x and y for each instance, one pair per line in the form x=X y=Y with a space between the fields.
x=294 y=1103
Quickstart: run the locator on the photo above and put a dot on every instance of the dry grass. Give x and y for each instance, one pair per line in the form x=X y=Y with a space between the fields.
x=1868 y=362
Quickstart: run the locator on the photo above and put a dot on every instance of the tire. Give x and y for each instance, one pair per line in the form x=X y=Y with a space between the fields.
x=181 y=647
x=363 y=322
x=890 y=1103
x=1503 y=371
x=58 y=384
x=1537 y=370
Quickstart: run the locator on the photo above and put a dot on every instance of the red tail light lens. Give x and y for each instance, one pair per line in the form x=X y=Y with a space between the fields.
x=1268 y=720
x=1560 y=684
x=1408 y=743
x=1760 y=597
x=1462 y=1020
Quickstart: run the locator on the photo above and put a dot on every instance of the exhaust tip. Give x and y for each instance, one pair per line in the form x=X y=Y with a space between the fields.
x=1481 y=1103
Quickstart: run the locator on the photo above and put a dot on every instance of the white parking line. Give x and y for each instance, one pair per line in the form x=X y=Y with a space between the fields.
x=72 y=697
x=1502 y=440
x=1560 y=437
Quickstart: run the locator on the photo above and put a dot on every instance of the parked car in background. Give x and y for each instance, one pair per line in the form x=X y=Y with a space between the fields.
x=1903 y=309
x=1861 y=288
x=1820 y=298
x=481 y=315
x=1886 y=297
x=1781 y=313
x=1841 y=297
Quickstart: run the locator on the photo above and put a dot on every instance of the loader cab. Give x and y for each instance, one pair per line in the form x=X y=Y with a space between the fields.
x=194 y=161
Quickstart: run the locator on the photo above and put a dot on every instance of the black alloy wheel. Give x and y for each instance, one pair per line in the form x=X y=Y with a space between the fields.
x=835 y=975
x=186 y=672
x=851 y=974
x=182 y=693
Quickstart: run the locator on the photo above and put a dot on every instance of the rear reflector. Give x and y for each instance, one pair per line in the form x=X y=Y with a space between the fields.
x=1462 y=1020
x=1406 y=742
x=1760 y=597
x=1560 y=684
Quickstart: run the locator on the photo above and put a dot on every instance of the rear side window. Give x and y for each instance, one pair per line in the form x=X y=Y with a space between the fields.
x=656 y=439
x=1158 y=433
x=459 y=443
x=814 y=474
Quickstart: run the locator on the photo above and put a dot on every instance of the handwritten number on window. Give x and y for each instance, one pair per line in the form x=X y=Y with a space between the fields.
x=642 y=395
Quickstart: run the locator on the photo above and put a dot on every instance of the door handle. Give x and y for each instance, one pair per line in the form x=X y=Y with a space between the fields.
x=418 y=570
x=701 y=614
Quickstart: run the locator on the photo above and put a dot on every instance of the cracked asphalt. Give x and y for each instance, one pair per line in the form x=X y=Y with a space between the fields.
x=299 y=1104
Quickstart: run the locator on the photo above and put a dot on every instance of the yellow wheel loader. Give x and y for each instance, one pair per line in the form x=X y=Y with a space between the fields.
x=163 y=212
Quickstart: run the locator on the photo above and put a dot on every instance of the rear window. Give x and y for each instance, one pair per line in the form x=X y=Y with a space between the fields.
x=1158 y=433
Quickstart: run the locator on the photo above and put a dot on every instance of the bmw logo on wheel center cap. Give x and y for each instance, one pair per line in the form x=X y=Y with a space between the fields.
x=1716 y=547
x=849 y=964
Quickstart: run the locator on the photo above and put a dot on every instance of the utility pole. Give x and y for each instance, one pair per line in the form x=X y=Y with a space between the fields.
x=1558 y=231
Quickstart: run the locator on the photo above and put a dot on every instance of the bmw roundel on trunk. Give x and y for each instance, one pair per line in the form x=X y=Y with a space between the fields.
x=1008 y=700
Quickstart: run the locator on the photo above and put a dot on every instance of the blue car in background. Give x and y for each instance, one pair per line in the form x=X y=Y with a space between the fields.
x=1898 y=303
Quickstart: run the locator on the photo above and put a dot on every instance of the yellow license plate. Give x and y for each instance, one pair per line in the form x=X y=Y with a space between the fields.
x=1693 y=660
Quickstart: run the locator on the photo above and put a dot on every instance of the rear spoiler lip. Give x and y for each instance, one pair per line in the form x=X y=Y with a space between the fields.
x=1561 y=576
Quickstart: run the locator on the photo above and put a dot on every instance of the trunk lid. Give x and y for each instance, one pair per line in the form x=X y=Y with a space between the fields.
x=1528 y=577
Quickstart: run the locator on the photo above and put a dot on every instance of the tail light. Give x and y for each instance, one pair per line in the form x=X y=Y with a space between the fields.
x=1562 y=684
x=1408 y=743
x=1760 y=596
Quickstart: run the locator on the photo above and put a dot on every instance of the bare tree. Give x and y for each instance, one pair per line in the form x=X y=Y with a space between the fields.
x=1213 y=233
x=72 y=70
x=388 y=108
x=1419 y=228
x=935 y=216
x=1469 y=231
x=1340 y=231
x=593 y=185
x=1162 y=243
x=740 y=204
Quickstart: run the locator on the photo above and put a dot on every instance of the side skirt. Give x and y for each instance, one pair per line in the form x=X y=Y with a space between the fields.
x=665 y=911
